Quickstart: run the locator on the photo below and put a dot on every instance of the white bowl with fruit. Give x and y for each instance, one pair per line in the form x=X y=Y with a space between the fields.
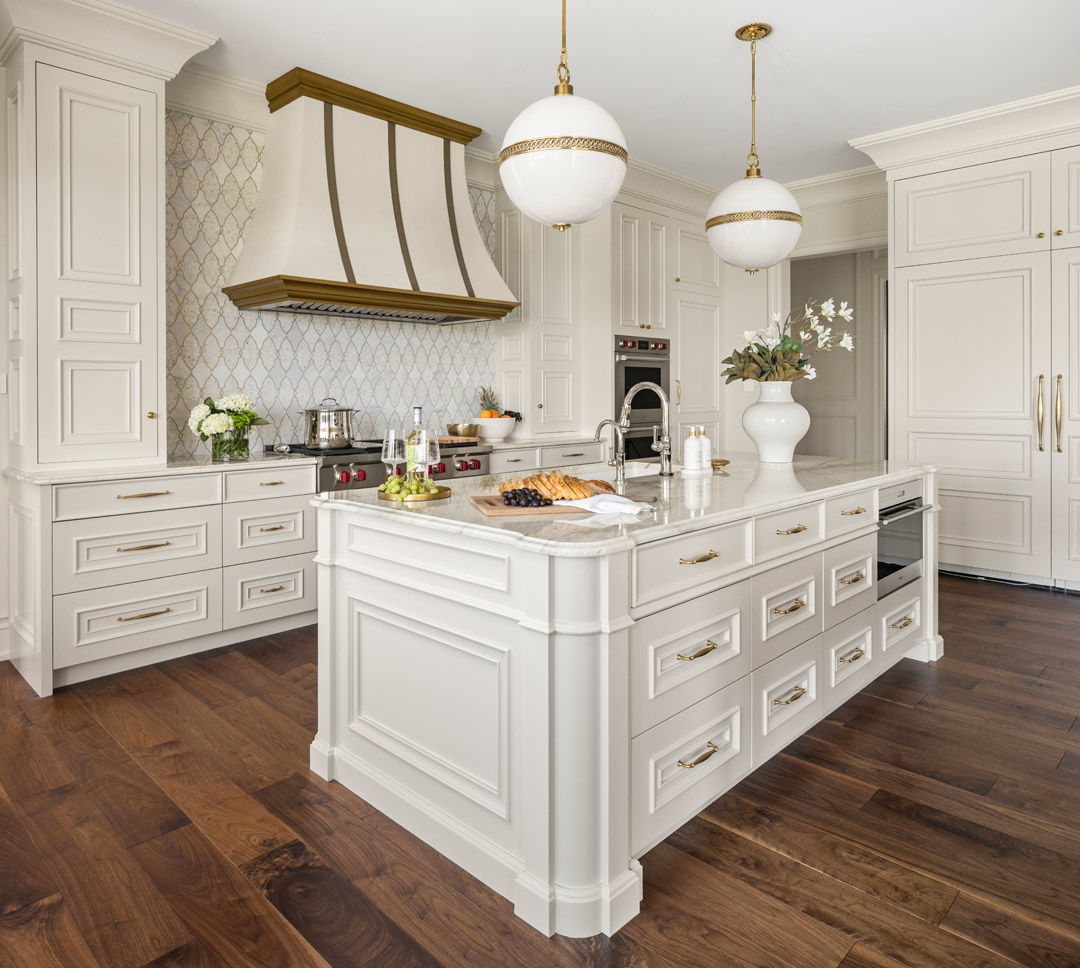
x=493 y=425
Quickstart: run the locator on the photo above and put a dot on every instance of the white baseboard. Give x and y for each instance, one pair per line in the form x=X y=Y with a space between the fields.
x=5 y=648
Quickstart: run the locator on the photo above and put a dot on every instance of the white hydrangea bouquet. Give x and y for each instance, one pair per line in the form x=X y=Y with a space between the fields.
x=782 y=350
x=225 y=423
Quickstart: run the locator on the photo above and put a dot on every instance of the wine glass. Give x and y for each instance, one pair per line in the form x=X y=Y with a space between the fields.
x=431 y=450
x=393 y=451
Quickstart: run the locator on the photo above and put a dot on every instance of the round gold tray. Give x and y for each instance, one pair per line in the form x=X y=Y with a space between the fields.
x=441 y=494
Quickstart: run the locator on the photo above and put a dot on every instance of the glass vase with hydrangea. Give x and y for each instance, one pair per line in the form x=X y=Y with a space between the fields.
x=225 y=422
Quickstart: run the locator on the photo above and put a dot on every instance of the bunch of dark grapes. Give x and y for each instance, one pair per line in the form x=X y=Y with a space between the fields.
x=525 y=497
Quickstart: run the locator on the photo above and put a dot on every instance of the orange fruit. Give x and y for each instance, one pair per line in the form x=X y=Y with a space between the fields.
x=484 y=414
x=506 y=416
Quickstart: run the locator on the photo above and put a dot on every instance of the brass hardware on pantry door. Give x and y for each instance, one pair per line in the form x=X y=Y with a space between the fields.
x=1040 y=410
x=1057 y=413
x=678 y=393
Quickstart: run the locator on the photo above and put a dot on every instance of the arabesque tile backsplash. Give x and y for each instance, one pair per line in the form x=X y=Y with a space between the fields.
x=286 y=362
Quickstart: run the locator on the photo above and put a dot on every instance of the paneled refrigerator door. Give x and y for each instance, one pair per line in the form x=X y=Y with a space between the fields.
x=1063 y=415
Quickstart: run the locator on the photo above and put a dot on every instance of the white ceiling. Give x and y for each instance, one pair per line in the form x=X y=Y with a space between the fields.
x=672 y=73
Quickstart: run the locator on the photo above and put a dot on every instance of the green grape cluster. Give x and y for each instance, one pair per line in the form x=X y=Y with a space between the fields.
x=401 y=487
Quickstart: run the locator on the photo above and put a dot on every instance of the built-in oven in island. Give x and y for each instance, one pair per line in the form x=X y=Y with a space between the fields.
x=641 y=361
x=900 y=536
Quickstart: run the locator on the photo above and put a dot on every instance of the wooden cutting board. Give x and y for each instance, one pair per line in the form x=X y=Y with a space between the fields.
x=451 y=441
x=493 y=506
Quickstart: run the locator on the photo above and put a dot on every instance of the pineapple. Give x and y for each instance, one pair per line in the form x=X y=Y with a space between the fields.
x=489 y=404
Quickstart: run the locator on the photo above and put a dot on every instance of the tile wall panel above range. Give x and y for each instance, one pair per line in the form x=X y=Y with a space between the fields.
x=285 y=361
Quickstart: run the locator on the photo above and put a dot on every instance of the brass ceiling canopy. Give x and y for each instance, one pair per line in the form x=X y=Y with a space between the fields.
x=753 y=32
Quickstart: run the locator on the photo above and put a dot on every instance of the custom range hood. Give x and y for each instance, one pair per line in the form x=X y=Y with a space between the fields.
x=364 y=211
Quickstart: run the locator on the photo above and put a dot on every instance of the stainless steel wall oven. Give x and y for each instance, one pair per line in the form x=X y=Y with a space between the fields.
x=900 y=536
x=636 y=361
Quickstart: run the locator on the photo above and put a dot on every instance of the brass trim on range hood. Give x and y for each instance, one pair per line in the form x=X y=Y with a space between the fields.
x=325 y=296
x=299 y=83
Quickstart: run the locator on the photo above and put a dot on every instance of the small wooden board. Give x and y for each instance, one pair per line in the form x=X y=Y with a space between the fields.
x=452 y=441
x=493 y=506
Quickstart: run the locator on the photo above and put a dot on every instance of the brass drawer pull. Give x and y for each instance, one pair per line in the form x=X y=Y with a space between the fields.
x=135 y=618
x=578 y=454
x=799 y=603
x=712 y=748
x=127 y=497
x=513 y=460
x=796 y=695
x=697 y=655
x=903 y=623
x=698 y=561
x=859 y=576
x=855 y=656
x=796 y=530
x=267 y=591
x=856 y=511
x=276 y=527
x=160 y=544
x=269 y=483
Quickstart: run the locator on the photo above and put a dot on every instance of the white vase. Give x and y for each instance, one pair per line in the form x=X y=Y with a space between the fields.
x=776 y=423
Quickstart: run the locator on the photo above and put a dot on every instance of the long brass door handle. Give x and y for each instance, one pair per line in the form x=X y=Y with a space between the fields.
x=855 y=656
x=1040 y=410
x=700 y=652
x=678 y=393
x=1057 y=413
x=799 y=603
x=135 y=618
x=855 y=511
x=160 y=544
x=902 y=624
x=859 y=576
x=712 y=748
x=799 y=692
x=796 y=530
x=698 y=561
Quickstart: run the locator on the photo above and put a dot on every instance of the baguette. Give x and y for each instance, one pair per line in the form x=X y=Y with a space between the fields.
x=601 y=486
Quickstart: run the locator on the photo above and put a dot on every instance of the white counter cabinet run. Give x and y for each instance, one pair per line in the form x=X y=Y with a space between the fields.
x=543 y=699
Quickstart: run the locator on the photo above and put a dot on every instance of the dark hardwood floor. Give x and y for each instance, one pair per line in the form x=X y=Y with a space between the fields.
x=166 y=817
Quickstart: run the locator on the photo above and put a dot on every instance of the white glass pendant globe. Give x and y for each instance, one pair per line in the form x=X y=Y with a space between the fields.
x=754 y=223
x=563 y=160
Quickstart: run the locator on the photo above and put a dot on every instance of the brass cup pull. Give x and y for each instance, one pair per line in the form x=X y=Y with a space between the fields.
x=270 y=483
x=276 y=527
x=700 y=652
x=1042 y=377
x=698 y=561
x=796 y=530
x=902 y=624
x=1057 y=413
x=799 y=692
x=135 y=618
x=712 y=748
x=267 y=591
x=580 y=453
x=799 y=603
x=859 y=576
x=160 y=544
x=855 y=656
x=126 y=497
x=855 y=511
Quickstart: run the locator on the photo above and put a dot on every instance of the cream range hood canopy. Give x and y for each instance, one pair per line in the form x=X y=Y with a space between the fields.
x=364 y=211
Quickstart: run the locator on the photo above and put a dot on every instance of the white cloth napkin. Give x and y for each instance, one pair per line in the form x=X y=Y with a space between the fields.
x=607 y=504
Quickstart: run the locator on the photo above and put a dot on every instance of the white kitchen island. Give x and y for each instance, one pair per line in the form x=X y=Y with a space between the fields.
x=543 y=699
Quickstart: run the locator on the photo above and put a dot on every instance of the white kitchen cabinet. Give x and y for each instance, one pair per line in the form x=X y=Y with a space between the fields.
x=641 y=268
x=1062 y=416
x=1065 y=197
x=696 y=354
x=695 y=267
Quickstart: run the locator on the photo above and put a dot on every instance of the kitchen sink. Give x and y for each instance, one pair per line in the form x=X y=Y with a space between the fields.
x=602 y=472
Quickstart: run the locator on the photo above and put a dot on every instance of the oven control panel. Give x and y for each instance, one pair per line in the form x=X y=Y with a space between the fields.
x=648 y=345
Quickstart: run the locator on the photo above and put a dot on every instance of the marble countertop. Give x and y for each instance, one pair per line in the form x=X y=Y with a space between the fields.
x=200 y=464
x=677 y=504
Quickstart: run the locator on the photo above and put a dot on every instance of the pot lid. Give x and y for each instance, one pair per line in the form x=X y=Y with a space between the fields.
x=328 y=405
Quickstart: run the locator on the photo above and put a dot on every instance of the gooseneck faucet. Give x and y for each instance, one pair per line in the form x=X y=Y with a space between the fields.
x=618 y=457
x=663 y=445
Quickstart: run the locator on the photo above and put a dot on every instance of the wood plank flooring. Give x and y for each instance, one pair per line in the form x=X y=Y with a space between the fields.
x=166 y=817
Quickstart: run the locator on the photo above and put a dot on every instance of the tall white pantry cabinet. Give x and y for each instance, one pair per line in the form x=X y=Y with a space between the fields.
x=986 y=346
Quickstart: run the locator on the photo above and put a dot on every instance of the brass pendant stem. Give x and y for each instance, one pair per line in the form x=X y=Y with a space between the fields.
x=563 y=71
x=753 y=33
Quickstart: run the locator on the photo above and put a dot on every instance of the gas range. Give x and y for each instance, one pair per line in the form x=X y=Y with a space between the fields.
x=348 y=468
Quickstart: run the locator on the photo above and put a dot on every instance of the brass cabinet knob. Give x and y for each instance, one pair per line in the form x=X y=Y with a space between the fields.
x=151 y=415
x=648 y=325
x=1059 y=232
x=1041 y=235
x=677 y=279
x=641 y=325
x=539 y=406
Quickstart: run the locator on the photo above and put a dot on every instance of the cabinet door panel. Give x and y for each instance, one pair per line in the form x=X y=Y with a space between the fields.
x=972 y=339
x=626 y=262
x=697 y=354
x=98 y=326
x=984 y=210
x=696 y=266
x=1065 y=197
x=1064 y=446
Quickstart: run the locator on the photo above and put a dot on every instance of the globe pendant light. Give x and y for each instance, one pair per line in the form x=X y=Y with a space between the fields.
x=753 y=223
x=563 y=159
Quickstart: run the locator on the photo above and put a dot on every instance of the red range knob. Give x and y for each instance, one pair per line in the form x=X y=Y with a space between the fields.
x=462 y=465
x=474 y=465
x=360 y=476
x=344 y=477
x=430 y=469
x=440 y=467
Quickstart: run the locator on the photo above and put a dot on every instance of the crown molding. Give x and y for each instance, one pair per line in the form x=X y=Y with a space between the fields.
x=102 y=30
x=207 y=93
x=1051 y=116
x=482 y=169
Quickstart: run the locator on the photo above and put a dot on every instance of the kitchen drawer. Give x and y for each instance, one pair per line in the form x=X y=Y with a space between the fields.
x=103 y=498
x=94 y=552
x=266 y=482
x=850 y=512
x=686 y=762
x=900 y=616
x=685 y=653
x=261 y=590
x=562 y=455
x=849 y=578
x=791 y=530
x=256 y=530
x=787 y=699
x=513 y=461
x=104 y=622
x=687 y=562
x=852 y=657
x=787 y=607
